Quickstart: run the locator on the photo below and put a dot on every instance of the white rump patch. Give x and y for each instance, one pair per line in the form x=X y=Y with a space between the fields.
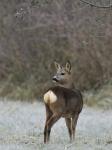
x=50 y=97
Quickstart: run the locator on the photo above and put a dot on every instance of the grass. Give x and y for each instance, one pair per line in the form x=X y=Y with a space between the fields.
x=22 y=124
x=102 y=98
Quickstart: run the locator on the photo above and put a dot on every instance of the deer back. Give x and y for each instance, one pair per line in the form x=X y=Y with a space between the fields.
x=63 y=100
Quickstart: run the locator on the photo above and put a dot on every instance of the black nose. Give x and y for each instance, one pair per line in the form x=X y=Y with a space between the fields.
x=54 y=79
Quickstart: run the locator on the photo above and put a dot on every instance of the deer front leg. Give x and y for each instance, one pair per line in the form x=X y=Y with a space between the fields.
x=68 y=124
x=74 y=123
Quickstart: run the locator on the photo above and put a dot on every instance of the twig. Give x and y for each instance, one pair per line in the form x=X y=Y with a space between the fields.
x=98 y=6
x=68 y=146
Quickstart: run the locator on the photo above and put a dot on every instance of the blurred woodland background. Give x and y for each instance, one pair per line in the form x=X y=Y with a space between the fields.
x=34 y=33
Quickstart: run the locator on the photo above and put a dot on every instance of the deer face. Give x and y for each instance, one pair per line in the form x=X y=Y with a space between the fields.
x=63 y=75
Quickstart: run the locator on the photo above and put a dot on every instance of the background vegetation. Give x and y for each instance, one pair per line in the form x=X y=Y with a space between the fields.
x=34 y=33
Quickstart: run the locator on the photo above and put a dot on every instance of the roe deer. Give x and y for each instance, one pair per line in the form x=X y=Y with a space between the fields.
x=62 y=101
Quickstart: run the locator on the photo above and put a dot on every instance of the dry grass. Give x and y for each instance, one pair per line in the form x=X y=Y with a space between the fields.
x=102 y=98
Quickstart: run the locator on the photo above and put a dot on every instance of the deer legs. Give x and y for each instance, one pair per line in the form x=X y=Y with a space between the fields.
x=75 y=118
x=68 y=124
x=71 y=125
x=49 y=123
x=52 y=118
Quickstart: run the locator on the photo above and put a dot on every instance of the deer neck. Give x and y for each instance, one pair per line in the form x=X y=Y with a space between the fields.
x=68 y=85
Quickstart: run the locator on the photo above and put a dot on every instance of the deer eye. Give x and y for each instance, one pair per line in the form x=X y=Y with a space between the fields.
x=62 y=73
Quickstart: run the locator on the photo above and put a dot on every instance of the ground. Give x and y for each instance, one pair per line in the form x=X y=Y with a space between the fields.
x=22 y=124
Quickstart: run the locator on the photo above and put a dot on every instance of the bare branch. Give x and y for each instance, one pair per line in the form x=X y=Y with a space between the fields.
x=98 y=6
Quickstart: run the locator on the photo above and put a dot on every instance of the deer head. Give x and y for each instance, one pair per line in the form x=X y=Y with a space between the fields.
x=63 y=75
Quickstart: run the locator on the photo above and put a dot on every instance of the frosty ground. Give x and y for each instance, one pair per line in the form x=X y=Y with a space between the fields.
x=22 y=124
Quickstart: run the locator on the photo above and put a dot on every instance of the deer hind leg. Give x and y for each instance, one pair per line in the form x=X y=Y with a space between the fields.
x=74 y=123
x=48 y=116
x=49 y=125
x=68 y=124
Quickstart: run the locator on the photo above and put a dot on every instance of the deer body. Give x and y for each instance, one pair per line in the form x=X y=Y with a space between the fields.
x=62 y=101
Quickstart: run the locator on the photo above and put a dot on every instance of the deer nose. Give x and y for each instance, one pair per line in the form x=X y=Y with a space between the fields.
x=55 y=79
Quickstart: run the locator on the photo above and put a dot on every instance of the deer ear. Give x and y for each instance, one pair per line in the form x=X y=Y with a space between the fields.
x=57 y=65
x=68 y=66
